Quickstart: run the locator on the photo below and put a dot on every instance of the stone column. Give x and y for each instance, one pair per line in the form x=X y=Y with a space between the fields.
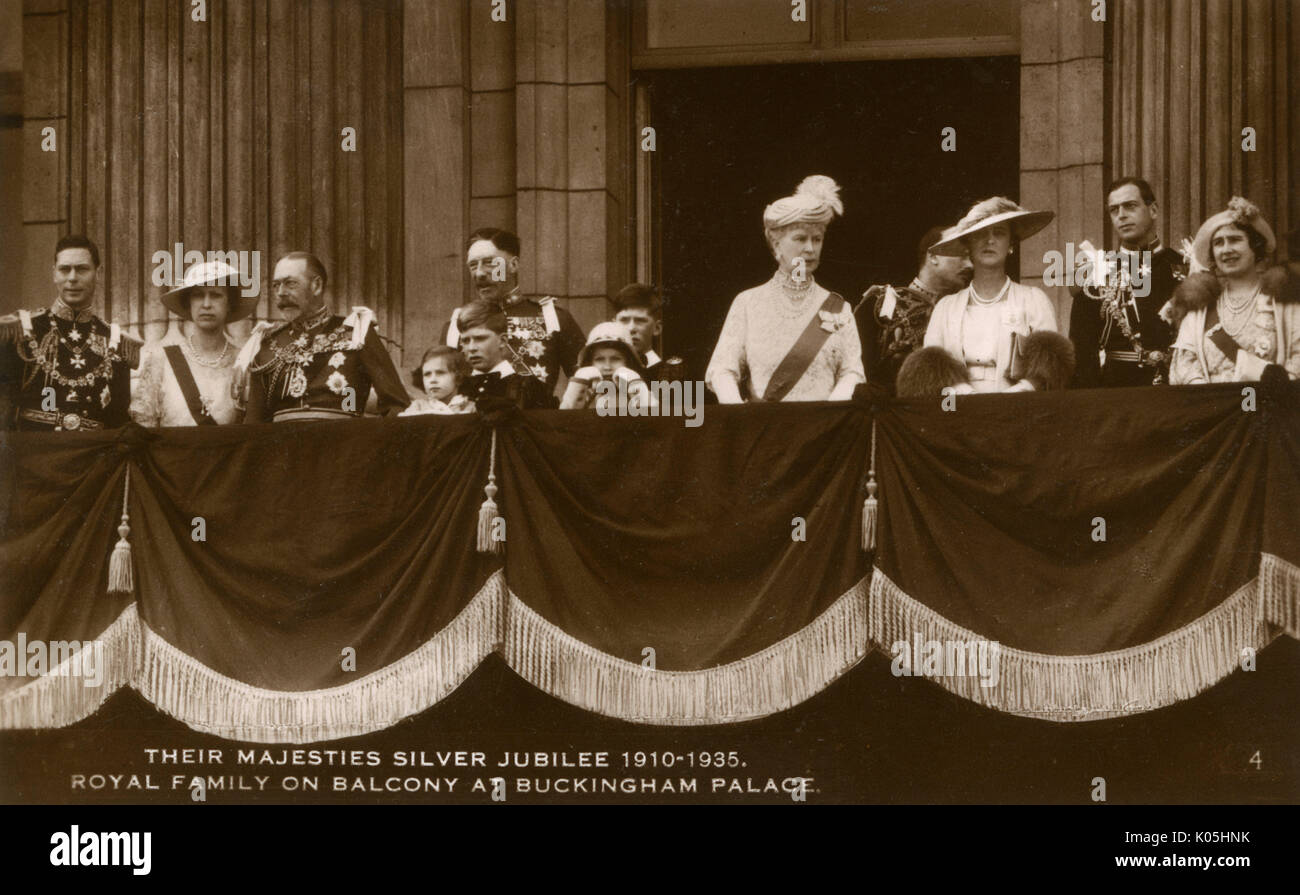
x=1062 y=132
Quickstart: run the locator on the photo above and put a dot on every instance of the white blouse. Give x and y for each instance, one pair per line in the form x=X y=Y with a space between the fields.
x=156 y=398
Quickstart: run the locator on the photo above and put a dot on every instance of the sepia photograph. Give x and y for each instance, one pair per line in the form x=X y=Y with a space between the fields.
x=650 y=402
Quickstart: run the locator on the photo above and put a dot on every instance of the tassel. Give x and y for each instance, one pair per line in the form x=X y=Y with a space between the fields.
x=870 y=506
x=120 y=580
x=487 y=513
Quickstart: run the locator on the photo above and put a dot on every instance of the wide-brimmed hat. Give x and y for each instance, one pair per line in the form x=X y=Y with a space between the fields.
x=1241 y=213
x=986 y=213
x=611 y=333
x=211 y=273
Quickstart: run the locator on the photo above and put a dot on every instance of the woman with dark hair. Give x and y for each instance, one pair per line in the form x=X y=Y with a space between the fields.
x=985 y=324
x=1233 y=320
x=789 y=339
x=185 y=380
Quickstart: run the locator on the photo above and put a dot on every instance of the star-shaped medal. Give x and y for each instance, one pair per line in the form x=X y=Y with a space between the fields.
x=78 y=361
x=75 y=335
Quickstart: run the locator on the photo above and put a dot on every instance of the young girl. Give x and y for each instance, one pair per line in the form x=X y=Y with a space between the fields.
x=441 y=371
x=608 y=356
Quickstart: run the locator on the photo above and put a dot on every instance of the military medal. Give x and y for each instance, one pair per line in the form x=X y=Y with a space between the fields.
x=297 y=383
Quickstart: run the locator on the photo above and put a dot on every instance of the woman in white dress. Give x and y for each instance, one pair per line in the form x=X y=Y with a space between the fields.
x=185 y=379
x=790 y=339
x=984 y=324
x=1234 y=318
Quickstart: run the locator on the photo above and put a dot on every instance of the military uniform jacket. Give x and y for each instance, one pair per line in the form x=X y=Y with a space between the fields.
x=895 y=332
x=537 y=352
x=64 y=369
x=1099 y=318
x=314 y=365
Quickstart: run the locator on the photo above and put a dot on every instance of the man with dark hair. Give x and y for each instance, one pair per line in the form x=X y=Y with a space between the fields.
x=314 y=364
x=640 y=308
x=1118 y=334
x=541 y=337
x=64 y=368
x=892 y=321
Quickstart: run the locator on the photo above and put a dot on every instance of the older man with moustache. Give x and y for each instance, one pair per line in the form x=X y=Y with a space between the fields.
x=898 y=317
x=542 y=338
x=63 y=368
x=314 y=364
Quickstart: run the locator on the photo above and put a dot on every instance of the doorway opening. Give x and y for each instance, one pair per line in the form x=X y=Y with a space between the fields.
x=732 y=140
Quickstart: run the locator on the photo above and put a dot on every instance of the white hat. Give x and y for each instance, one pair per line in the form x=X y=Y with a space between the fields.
x=1240 y=213
x=986 y=213
x=211 y=273
x=611 y=333
x=815 y=201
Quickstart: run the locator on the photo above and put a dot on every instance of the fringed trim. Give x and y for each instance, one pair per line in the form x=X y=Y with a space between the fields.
x=781 y=676
x=212 y=703
x=1279 y=593
x=1171 y=668
x=66 y=695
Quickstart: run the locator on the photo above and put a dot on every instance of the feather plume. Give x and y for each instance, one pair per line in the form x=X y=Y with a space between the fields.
x=822 y=188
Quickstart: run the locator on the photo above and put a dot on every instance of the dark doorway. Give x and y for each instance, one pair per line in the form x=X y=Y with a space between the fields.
x=732 y=140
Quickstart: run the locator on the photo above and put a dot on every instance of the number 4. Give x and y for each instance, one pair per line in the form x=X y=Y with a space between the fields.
x=1256 y=761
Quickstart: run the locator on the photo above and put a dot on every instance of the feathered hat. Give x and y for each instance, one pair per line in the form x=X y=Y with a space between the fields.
x=986 y=213
x=1241 y=213
x=815 y=201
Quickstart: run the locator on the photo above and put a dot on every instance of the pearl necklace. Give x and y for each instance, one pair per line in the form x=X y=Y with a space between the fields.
x=981 y=300
x=795 y=295
x=1238 y=312
x=198 y=358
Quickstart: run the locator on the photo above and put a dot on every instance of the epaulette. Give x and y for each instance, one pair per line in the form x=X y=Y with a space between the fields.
x=129 y=349
x=360 y=320
x=11 y=329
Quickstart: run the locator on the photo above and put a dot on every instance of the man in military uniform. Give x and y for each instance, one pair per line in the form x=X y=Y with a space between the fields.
x=896 y=318
x=541 y=337
x=63 y=368
x=1119 y=337
x=314 y=364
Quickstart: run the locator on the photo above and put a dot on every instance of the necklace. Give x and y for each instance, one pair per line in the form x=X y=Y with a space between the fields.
x=795 y=296
x=198 y=358
x=979 y=299
x=1235 y=314
x=1240 y=303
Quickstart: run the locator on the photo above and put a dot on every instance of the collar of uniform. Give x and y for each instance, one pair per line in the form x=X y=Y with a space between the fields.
x=63 y=311
x=1152 y=248
x=651 y=358
x=512 y=299
x=308 y=322
x=505 y=368
x=919 y=288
